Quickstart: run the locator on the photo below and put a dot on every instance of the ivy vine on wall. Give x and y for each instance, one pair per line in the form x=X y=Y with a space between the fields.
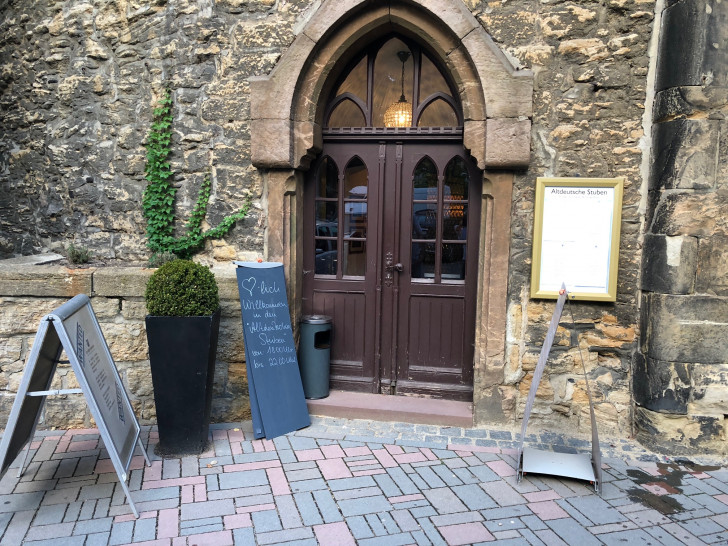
x=159 y=196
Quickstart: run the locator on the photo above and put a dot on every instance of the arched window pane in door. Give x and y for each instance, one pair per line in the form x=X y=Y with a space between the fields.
x=424 y=219
x=347 y=114
x=455 y=220
x=356 y=182
x=327 y=218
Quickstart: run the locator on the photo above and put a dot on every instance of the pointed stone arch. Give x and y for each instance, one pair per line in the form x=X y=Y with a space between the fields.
x=287 y=105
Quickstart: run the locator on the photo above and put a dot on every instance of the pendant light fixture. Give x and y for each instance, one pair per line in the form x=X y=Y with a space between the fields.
x=399 y=114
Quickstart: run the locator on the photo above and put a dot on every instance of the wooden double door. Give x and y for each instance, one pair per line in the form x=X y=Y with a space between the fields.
x=390 y=253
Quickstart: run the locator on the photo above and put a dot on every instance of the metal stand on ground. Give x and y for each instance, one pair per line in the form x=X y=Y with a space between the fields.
x=571 y=465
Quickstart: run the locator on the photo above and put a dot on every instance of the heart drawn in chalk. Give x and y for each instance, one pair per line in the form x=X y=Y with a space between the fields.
x=248 y=285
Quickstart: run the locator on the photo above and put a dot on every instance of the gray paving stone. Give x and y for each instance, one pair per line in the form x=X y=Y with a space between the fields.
x=474 y=497
x=444 y=500
x=633 y=537
x=289 y=515
x=508 y=524
x=199 y=510
x=92 y=526
x=121 y=533
x=351 y=483
x=287 y=535
x=307 y=509
x=387 y=485
x=359 y=527
x=252 y=500
x=148 y=495
x=390 y=540
x=571 y=532
x=45 y=532
x=668 y=539
x=368 y=505
x=327 y=506
x=202 y=522
x=308 y=485
x=244 y=535
x=97 y=539
x=245 y=478
x=200 y=529
x=701 y=526
x=73 y=510
x=19 y=502
x=145 y=529
x=376 y=525
x=64 y=541
x=266 y=521
x=424 y=511
x=431 y=532
x=406 y=485
x=305 y=474
x=357 y=493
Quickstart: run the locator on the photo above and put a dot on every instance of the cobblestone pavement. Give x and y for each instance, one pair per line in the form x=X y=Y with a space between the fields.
x=347 y=482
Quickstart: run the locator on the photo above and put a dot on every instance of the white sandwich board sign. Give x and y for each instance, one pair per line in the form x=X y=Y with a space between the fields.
x=73 y=328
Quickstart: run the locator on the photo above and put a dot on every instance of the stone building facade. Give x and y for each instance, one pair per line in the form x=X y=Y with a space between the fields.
x=582 y=88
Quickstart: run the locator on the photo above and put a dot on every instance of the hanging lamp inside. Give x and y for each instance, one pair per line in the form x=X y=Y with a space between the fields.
x=399 y=114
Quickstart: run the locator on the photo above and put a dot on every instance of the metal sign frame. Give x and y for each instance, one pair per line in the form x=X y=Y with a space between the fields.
x=51 y=340
x=580 y=466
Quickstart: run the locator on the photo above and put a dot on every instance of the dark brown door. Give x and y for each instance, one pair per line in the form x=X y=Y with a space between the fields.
x=391 y=239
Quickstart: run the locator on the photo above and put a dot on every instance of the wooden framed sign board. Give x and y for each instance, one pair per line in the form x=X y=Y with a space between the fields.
x=576 y=237
x=73 y=328
x=277 y=402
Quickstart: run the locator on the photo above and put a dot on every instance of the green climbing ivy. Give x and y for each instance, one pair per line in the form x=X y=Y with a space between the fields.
x=159 y=196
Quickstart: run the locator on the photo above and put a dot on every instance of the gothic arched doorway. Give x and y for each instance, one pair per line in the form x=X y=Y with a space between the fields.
x=391 y=227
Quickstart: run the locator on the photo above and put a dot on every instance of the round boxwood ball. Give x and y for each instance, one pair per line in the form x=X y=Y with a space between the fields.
x=182 y=288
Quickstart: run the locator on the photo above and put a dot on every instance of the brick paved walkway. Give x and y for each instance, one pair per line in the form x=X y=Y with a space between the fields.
x=345 y=482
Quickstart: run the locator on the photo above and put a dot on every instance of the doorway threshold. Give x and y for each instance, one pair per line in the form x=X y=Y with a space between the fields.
x=382 y=407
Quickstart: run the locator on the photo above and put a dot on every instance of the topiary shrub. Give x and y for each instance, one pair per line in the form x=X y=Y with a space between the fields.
x=182 y=288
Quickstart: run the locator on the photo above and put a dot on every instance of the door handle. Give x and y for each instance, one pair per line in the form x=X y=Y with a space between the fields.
x=398 y=267
x=389 y=268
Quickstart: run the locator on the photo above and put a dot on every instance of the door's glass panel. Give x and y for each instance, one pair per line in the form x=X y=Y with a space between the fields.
x=424 y=221
x=388 y=79
x=347 y=114
x=423 y=260
x=355 y=219
x=457 y=179
x=326 y=218
x=356 y=82
x=327 y=256
x=355 y=179
x=355 y=258
x=438 y=114
x=453 y=261
x=425 y=180
x=455 y=221
x=431 y=80
x=328 y=179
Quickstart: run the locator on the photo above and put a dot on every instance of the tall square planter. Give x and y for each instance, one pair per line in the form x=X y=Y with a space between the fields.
x=182 y=354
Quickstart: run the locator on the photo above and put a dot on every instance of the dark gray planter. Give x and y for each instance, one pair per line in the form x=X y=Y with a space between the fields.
x=182 y=357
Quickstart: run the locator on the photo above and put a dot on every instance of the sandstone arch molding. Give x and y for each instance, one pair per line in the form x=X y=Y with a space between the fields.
x=287 y=105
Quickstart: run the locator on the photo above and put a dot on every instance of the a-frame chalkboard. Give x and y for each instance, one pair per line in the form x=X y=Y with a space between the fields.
x=72 y=328
x=277 y=402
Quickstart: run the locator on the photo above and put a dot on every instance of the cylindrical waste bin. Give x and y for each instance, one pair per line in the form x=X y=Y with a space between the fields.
x=314 y=352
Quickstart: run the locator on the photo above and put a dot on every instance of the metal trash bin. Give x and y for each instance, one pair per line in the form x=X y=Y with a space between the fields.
x=314 y=352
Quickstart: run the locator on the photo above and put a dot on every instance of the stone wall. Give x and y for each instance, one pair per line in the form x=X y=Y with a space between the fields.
x=681 y=375
x=28 y=292
x=590 y=61
x=78 y=81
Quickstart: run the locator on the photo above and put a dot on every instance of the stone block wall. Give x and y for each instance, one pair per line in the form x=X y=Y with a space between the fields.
x=590 y=62
x=28 y=292
x=681 y=371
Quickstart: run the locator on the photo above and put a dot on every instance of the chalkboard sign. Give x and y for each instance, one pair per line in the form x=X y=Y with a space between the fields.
x=73 y=328
x=277 y=402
